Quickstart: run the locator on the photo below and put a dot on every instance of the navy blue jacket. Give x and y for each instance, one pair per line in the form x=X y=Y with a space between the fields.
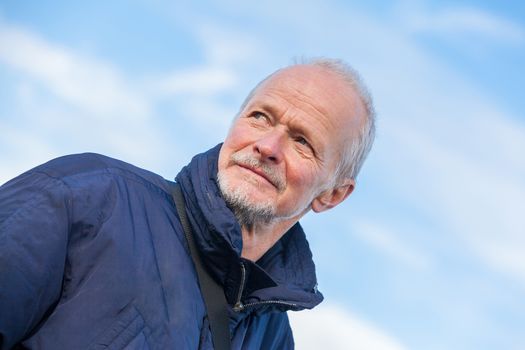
x=93 y=256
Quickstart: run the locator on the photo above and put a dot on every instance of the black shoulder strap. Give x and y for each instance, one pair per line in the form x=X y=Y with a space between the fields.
x=212 y=292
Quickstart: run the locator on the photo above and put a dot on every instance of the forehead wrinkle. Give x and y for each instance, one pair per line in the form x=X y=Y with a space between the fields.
x=321 y=115
x=294 y=112
x=297 y=97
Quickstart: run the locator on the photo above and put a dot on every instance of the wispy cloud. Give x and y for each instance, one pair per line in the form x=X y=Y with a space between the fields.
x=73 y=102
x=332 y=327
x=464 y=21
x=228 y=70
x=70 y=102
x=226 y=46
x=88 y=83
x=476 y=196
x=204 y=81
x=390 y=244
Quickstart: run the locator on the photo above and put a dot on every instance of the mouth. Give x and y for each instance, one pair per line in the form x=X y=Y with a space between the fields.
x=258 y=172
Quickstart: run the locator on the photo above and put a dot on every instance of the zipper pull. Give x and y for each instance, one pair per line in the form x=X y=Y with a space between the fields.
x=238 y=307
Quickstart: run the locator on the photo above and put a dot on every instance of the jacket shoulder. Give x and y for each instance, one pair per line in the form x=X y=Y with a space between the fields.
x=75 y=164
x=83 y=164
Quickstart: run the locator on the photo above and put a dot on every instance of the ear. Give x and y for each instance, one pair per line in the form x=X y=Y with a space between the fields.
x=332 y=197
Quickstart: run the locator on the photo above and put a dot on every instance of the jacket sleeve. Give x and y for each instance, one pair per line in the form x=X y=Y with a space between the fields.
x=278 y=335
x=33 y=247
x=270 y=331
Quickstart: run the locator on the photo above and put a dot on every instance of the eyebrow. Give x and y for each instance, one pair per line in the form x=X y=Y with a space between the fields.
x=274 y=111
x=294 y=128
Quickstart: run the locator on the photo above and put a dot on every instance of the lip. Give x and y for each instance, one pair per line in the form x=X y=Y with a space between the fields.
x=257 y=172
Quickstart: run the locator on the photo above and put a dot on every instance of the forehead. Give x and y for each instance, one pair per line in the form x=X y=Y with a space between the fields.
x=315 y=91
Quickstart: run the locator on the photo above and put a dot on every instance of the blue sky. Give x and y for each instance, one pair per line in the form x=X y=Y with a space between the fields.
x=427 y=253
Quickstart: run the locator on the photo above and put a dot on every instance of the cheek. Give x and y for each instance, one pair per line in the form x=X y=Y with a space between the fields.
x=231 y=144
x=301 y=177
x=238 y=137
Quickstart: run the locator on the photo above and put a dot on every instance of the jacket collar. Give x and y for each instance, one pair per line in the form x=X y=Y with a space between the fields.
x=286 y=272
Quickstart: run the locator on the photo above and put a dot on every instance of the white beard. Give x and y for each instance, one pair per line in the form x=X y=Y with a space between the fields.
x=247 y=212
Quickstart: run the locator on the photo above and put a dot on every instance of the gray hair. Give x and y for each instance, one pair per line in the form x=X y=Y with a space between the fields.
x=354 y=155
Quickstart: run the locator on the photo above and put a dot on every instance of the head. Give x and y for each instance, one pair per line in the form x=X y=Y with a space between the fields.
x=297 y=144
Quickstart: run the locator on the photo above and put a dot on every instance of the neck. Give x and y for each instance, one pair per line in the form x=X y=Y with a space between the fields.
x=258 y=239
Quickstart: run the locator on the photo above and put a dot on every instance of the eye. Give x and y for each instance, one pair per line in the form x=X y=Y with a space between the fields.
x=302 y=141
x=259 y=119
x=304 y=144
x=258 y=115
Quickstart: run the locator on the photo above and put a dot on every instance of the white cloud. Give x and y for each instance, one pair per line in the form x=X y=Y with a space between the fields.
x=68 y=102
x=332 y=327
x=206 y=80
x=226 y=46
x=195 y=92
x=467 y=191
x=389 y=243
x=230 y=64
x=463 y=20
x=94 y=86
x=16 y=142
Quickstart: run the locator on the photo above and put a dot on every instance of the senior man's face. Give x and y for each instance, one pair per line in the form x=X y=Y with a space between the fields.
x=279 y=157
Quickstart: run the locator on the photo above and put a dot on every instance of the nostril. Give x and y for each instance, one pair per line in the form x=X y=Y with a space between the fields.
x=268 y=149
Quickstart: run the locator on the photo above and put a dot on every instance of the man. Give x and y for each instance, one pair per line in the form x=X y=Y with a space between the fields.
x=93 y=254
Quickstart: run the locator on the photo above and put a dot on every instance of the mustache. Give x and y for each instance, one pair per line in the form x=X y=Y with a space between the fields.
x=270 y=172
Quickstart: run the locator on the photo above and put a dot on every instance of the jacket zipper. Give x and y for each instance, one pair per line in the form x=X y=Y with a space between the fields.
x=278 y=302
x=239 y=306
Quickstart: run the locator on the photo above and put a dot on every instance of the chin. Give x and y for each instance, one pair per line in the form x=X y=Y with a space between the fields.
x=244 y=199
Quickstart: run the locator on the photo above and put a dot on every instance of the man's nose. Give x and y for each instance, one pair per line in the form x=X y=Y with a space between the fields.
x=270 y=146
